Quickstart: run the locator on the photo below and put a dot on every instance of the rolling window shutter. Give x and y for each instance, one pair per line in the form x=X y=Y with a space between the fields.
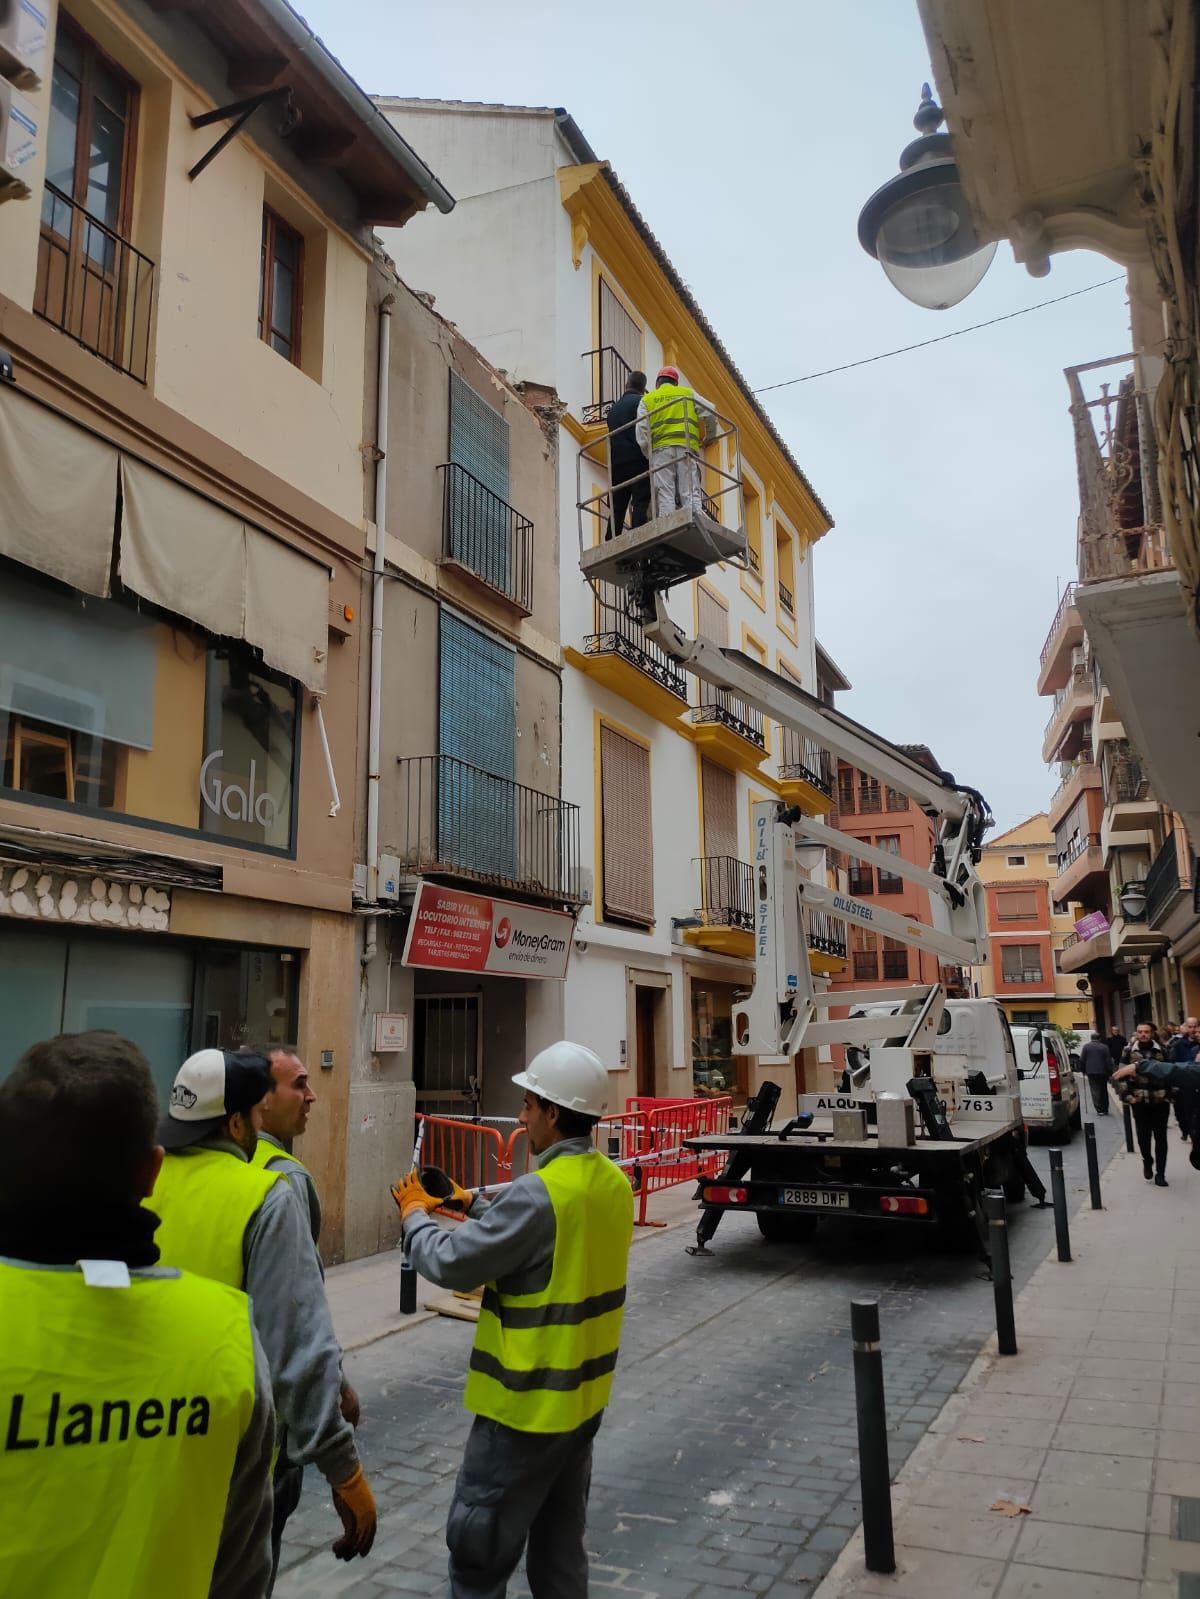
x=478 y=437
x=625 y=822
x=618 y=330
x=1015 y=905
x=477 y=800
x=718 y=789
x=712 y=618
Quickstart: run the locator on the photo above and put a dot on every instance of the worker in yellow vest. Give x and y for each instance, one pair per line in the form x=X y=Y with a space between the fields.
x=283 y=1117
x=553 y=1250
x=226 y=1218
x=673 y=425
x=136 y=1400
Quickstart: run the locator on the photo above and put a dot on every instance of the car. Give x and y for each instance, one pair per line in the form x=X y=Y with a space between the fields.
x=1049 y=1087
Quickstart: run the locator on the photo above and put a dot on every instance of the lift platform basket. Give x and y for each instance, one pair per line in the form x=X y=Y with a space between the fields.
x=669 y=550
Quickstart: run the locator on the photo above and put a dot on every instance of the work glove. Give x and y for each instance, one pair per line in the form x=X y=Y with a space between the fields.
x=351 y=1409
x=355 y=1504
x=411 y=1197
x=435 y=1181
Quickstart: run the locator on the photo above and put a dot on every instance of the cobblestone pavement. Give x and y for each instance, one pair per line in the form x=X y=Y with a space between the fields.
x=727 y=1462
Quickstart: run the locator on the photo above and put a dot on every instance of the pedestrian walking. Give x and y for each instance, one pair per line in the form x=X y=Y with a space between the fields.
x=673 y=423
x=1116 y=1042
x=1170 y=1075
x=628 y=469
x=553 y=1250
x=283 y=1115
x=1185 y=1047
x=225 y=1218
x=1148 y=1100
x=139 y=1423
x=1096 y=1064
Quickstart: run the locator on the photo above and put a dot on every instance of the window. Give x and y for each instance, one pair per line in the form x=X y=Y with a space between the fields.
x=38 y=759
x=478 y=513
x=785 y=571
x=1017 y=905
x=1021 y=963
x=715 y=1068
x=248 y=776
x=620 y=346
x=718 y=799
x=896 y=801
x=1052 y=860
x=895 y=959
x=477 y=733
x=890 y=882
x=279 y=283
x=861 y=878
x=627 y=871
x=753 y=526
x=845 y=786
x=869 y=795
x=1030 y=1018
x=1015 y=860
x=84 y=277
x=864 y=953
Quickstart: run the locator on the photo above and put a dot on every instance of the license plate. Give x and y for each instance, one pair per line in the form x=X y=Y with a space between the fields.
x=815 y=1198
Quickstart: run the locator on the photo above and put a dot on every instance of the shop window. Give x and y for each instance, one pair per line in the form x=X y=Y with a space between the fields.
x=251 y=751
x=280 y=278
x=889 y=882
x=59 y=764
x=626 y=836
x=247 y=998
x=715 y=1067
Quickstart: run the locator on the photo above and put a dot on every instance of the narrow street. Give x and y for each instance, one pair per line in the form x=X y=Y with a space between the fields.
x=728 y=1459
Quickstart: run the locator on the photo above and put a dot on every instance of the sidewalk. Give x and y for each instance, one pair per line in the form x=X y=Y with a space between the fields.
x=1095 y=1424
x=364 y=1295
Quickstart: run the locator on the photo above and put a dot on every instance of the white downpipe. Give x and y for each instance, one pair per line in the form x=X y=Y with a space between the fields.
x=375 y=710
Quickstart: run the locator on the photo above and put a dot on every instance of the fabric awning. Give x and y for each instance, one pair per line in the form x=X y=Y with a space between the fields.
x=198 y=561
x=58 y=495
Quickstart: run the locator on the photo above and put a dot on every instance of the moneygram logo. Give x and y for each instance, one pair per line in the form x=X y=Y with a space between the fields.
x=503 y=932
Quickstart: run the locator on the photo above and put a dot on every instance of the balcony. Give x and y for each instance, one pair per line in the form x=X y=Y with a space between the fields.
x=457 y=821
x=724 y=920
x=609 y=372
x=805 y=775
x=1078 y=954
x=1082 y=774
x=729 y=729
x=826 y=937
x=93 y=285
x=620 y=657
x=1129 y=806
x=787 y=600
x=1065 y=635
x=1170 y=888
x=485 y=540
x=1079 y=864
x=1067 y=729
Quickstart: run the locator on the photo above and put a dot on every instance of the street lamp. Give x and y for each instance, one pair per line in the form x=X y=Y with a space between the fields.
x=1133 y=901
x=918 y=226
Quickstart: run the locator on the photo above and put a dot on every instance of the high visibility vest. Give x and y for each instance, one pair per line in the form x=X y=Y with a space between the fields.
x=544 y=1362
x=673 y=417
x=266 y=1157
x=266 y=1153
x=204 y=1202
x=121 y=1411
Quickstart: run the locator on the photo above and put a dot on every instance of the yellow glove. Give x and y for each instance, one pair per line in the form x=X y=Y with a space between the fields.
x=355 y=1504
x=411 y=1197
x=450 y=1196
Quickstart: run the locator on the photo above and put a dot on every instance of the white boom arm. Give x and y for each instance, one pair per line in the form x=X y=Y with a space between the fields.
x=779 y=1015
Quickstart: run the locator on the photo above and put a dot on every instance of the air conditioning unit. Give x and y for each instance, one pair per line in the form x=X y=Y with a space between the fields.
x=18 y=142
x=23 y=28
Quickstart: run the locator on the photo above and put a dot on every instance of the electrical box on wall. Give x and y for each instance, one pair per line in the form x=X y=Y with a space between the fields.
x=23 y=27
x=389 y=877
x=391 y=1032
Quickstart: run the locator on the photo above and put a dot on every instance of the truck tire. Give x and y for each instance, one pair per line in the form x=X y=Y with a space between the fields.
x=777 y=1229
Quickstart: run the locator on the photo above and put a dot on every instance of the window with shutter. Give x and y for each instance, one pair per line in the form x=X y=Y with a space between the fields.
x=478 y=532
x=620 y=334
x=712 y=617
x=718 y=795
x=626 y=843
x=1017 y=905
x=1021 y=963
x=476 y=727
x=889 y=882
x=864 y=952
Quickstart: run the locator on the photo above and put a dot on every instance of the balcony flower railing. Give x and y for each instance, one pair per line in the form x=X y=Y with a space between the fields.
x=618 y=633
x=1077 y=847
x=1169 y=877
x=726 y=893
x=806 y=762
x=1116 y=452
x=484 y=535
x=457 y=820
x=1064 y=605
x=609 y=372
x=826 y=934
x=94 y=285
x=726 y=709
x=787 y=599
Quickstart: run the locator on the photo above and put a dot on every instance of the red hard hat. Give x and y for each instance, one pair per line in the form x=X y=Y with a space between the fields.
x=671 y=372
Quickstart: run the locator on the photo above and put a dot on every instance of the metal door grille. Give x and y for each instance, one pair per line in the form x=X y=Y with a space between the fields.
x=446 y=1053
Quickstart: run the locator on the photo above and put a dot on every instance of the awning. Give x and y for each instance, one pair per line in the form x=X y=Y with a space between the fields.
x=196 y=560
x=58 y=501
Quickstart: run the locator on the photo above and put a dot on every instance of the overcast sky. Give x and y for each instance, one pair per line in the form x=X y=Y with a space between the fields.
x=750 y=136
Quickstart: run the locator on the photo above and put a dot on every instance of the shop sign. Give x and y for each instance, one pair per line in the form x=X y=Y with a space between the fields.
x=1090 y=925
x=391 y=1032
x=240 y=802
x=453 y=931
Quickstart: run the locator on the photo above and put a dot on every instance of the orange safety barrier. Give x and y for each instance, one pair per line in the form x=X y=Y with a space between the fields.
x=665 y=1162
x=470 y=1152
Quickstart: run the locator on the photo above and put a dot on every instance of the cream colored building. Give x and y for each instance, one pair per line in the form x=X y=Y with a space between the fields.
x=182 y=538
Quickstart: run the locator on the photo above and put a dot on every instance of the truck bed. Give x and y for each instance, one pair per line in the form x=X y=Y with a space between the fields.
x=817 y=1139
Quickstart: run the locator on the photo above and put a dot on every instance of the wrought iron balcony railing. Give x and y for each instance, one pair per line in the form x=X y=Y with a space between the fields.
x=1124 y=779
x=1168 y=879
x=1064 y=605
x=806 y=762
x=458 y=821
x=1116 y=451
x=94 y=285
x=787 y=599
x=1023 y=977
x=609 y=372
x=719 y=705
x=618 y=633
x=484 y=535
x=825 y=933
x=726 y=892
x=1079 y=846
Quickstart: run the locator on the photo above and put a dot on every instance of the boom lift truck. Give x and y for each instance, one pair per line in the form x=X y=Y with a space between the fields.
x=917 y=1131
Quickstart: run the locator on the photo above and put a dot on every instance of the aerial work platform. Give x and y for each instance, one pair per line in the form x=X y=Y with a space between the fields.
x=663 y=552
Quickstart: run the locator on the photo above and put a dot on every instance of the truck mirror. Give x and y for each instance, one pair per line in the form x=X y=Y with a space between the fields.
x=1037 y=1049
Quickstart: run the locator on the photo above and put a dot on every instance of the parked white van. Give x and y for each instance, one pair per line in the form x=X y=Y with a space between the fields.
x=1049 y=1087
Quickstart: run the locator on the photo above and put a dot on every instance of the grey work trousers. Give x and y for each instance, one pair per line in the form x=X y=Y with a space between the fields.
x=517 y=1486
x=675 y=474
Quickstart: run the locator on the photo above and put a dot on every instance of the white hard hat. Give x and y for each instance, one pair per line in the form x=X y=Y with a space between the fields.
x=568 y=1075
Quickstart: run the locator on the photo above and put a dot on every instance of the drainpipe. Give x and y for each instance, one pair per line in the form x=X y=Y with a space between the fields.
x=377 y=580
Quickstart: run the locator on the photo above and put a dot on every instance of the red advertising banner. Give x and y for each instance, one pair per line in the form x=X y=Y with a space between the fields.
x=453 y=931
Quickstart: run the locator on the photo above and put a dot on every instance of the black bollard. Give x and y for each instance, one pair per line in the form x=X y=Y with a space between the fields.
x=408 y=1287
x=1058 y=1184
x=1128 y=1115
x=997 y=1215
x=1093 y=1163
x=873 y=1469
